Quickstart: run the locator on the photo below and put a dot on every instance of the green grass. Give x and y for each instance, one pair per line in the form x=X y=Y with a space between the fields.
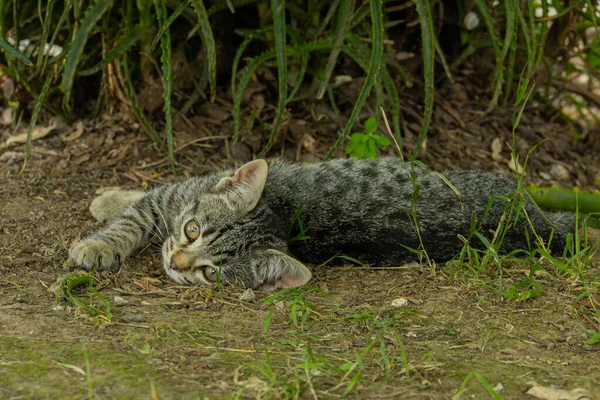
x=303 y=36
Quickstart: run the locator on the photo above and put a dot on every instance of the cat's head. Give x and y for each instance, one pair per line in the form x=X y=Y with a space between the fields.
x=227 y=236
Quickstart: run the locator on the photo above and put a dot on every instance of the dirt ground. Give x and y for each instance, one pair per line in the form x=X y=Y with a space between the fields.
x=174 y=342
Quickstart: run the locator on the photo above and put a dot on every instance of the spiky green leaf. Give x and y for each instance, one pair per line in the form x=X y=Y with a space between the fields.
x=210 y=50
x=92 y=16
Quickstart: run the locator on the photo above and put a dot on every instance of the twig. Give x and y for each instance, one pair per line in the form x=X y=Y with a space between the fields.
x=181 y=148
x=577 y=89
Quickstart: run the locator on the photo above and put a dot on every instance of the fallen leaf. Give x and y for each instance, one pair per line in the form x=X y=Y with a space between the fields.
x=549 y=393
x=38 y=132
x=73 y=368
x=75 y=133
x=497 y=150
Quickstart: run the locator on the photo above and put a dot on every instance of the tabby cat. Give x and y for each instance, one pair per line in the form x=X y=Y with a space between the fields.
x=257 y=226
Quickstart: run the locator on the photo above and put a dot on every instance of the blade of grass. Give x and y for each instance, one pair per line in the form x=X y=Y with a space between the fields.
x=167 y=68
x=541 y=38
x=330 y=13
x=14 y=53
x=357 y=50
x=34 y=115
x=92 y=16
x=343 y=24
x=301 y=74
x=279 y=28
x=183 y=6
x=253 y=64
x=209 y=44
x=509 y=38
x=428 y=44
x=57 y=30
x=242 y=47
x=137 y=109
x=374 y=67
x=128 y=40
x=45 y=30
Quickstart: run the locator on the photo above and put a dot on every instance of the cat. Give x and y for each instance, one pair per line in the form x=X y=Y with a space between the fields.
x=258 y=225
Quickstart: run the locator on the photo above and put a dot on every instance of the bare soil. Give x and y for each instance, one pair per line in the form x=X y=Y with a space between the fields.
x=174 y=342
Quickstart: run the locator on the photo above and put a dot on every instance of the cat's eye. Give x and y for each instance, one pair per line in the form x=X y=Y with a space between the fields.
x=192 y=230
x=210 y=273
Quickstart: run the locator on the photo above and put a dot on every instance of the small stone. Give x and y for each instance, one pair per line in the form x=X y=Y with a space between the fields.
x=248 y=296
x=545 y=176
x=119 y=301
x=340 y=80
x=133 y=318
x=7 y=116
x=471 y=21
x=8 y=87
x=559 y=172
x=404 y=55
x=401 y=302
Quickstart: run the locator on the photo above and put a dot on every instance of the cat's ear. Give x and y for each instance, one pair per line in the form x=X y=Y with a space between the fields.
x=244 y=187
x=282 y=271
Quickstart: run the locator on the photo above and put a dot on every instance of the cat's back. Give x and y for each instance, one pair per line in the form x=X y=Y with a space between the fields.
x=342 y=188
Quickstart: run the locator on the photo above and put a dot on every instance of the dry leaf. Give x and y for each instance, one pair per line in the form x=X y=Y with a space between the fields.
x=497 y=149
x=38 y=132
x=73 y=368
x=75 y=133
x=549 y=393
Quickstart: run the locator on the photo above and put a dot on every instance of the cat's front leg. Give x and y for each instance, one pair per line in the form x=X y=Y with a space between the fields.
x=107 y=248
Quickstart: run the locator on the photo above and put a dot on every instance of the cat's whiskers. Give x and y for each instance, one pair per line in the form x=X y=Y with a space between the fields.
x=162 y=216
x=158 y=234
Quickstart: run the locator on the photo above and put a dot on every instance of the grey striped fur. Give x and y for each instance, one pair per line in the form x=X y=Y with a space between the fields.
x=359 y=208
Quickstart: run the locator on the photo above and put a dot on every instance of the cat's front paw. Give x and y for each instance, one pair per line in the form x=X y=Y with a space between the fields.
x=90 y=253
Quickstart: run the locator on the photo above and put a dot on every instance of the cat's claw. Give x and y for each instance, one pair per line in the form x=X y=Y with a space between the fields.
x=94 y=253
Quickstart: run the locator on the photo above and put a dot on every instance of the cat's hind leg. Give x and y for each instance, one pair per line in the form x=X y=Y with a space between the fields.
x=110 y=204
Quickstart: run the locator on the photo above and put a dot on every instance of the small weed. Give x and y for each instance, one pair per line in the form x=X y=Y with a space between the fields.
x=477 y=376
x=75 y=280
x=299 y=308
x=364 y=145
x=284 y=387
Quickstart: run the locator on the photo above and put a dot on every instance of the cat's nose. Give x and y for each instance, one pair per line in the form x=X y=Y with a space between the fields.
x=179 y=261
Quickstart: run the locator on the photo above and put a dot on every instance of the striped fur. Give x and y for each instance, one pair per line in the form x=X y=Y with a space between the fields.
x=359 y=208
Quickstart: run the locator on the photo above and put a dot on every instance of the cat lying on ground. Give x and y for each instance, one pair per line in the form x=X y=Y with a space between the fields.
x=257 y=226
